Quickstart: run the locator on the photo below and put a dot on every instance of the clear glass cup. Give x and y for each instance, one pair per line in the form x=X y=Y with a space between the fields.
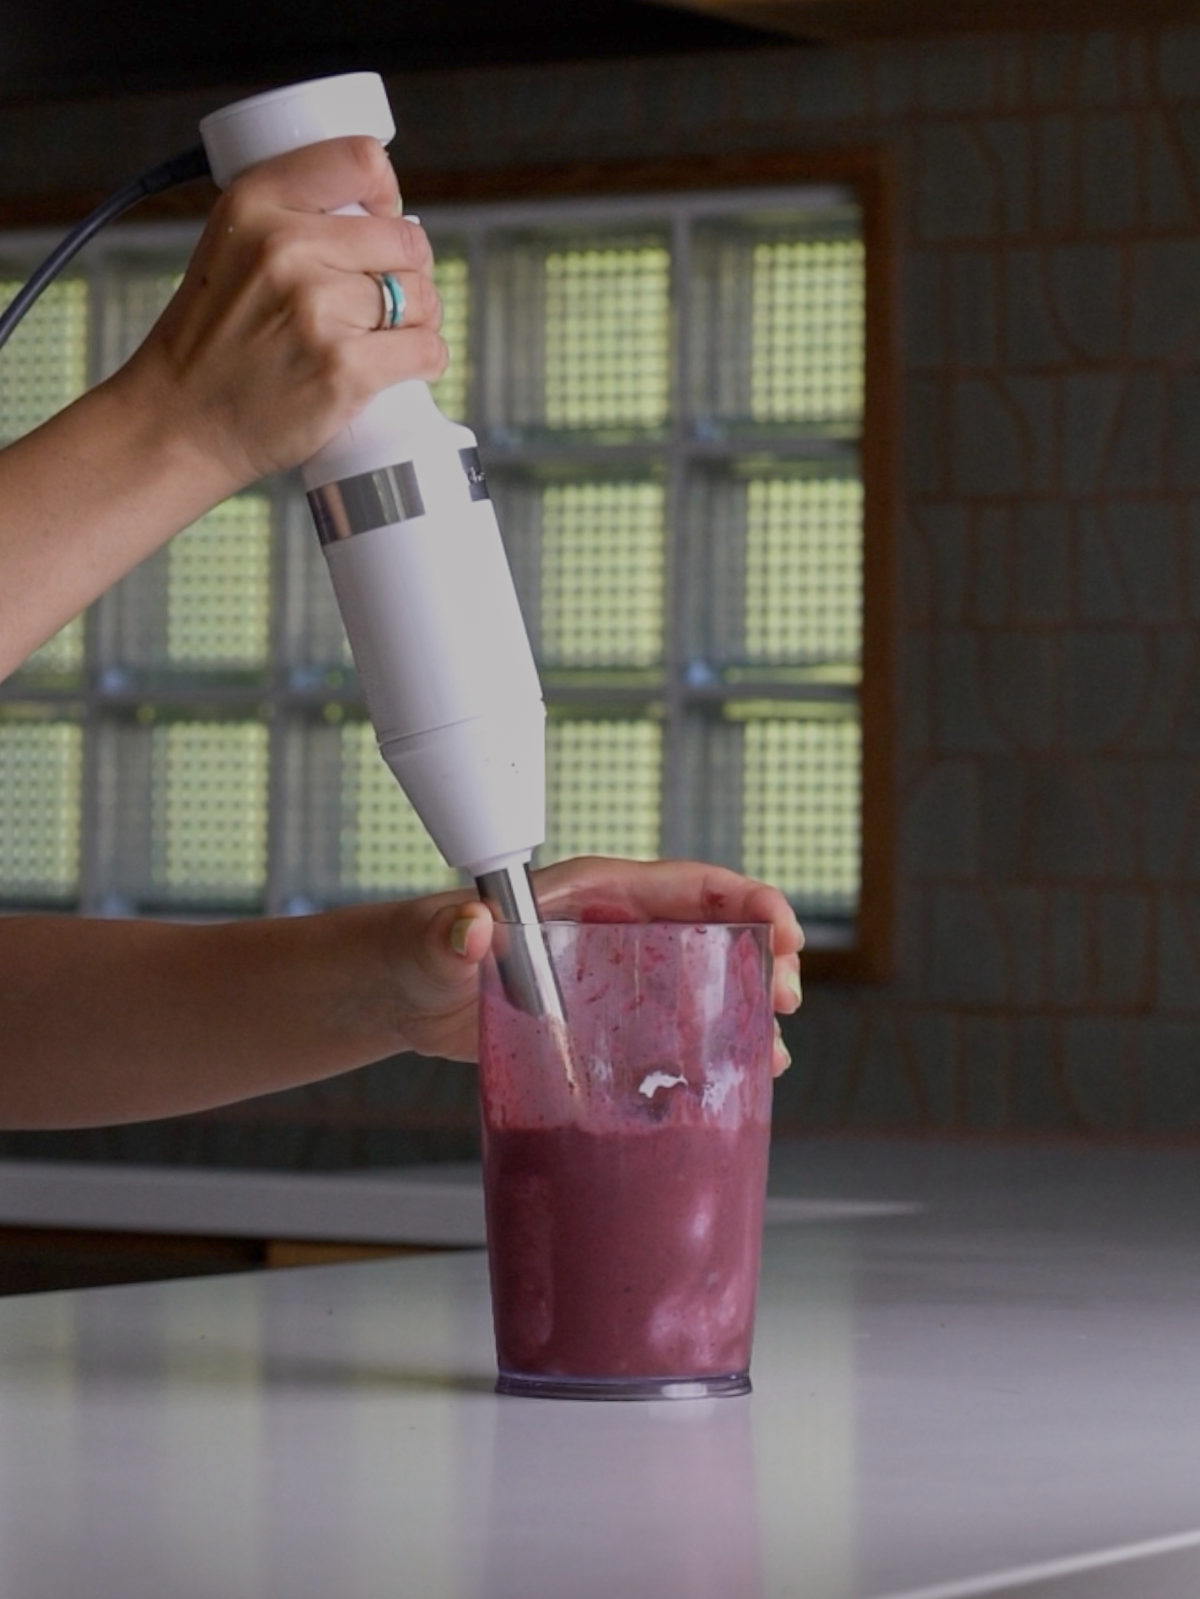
x=625 y=1163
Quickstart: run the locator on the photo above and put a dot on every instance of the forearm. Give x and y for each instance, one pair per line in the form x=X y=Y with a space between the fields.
x=104 y=1021
x=270 y=346
x=84 y=498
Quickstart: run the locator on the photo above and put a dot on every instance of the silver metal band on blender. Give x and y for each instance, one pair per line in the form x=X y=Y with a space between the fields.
x=381 y=498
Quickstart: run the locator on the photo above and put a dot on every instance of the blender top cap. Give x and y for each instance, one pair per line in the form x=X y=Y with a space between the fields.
x=268 y=124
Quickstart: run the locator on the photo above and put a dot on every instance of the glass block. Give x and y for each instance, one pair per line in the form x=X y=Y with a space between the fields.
x=208 y=811
x=135 y=293
x=807 y=330
x=452 y=277
x=603 y=788
x=383 y=845
x=777 y=321
x=202 y=604
x=803 y=569
x=41 y=769
x=182 y=809
x=608 y=322
x=349 y=832
x=602 y=573
x=61 y=656
x=580 y=333
x=219 y=587
x=801 y=824
x=44 y=364
x=772 y=575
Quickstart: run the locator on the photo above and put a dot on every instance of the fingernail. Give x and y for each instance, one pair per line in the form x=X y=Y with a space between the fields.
x=793 y=983
x=399 y=205
x=460 y=933
x=780 y=1047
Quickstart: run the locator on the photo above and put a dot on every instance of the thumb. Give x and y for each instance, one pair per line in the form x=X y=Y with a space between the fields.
x=464 y=932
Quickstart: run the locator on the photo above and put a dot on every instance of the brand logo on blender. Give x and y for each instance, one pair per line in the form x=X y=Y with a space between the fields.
x=476 y=478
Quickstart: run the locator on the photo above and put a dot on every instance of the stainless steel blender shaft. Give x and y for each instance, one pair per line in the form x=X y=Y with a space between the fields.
x=518 y=945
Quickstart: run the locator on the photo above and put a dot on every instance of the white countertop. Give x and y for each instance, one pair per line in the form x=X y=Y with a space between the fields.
x=997 y=1393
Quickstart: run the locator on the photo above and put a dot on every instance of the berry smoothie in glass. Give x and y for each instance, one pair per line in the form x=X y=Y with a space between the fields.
x=625 y=1164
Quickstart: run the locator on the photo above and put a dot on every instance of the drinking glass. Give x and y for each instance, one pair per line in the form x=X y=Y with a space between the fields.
x=625 y=1160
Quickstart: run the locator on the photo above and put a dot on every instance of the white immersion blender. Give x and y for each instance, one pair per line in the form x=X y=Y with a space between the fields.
x=402 y=509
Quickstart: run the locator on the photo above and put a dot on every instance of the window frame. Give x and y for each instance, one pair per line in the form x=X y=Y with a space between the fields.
x=869 y=956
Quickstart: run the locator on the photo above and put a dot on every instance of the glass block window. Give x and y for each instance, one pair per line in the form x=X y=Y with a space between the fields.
x=672 y=399
x=607 y=334
x=603 y=788
x=603 y=549
x=382 y=841
x=40 y=775
x=45 y=361
x=208 y=811
x=218 y=610
x=800 y=805
x=130 y=290
x=807 y=294
x=669 y=393
x=804 y=569
x=452 y=275
x=59 y=657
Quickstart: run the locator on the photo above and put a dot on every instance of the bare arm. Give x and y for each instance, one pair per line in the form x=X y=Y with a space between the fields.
x=111 y=1021
x=82 y=500
x=269 y=347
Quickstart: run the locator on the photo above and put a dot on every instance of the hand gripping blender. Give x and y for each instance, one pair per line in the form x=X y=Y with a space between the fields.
x=403 y=514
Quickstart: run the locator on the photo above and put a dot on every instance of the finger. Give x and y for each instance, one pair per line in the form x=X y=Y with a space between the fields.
x=445 y=939
x=781 y=1057
x=766 y=904
x=787 y=993
x=416 y=352
x=290 y=247
x=324 y=177
x=368 y=244
x=468 y=931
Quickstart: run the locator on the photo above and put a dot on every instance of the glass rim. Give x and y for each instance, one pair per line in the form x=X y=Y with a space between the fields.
x=557 y=923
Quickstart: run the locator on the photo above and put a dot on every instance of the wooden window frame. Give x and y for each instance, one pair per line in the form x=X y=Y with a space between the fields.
x=870 y=958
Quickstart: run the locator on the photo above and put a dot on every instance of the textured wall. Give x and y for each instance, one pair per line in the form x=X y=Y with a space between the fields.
x=1048 y=209
x=1050 y=577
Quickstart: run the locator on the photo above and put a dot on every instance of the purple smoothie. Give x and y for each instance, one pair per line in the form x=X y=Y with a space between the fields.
x=625 y=1213
x=629 y=1254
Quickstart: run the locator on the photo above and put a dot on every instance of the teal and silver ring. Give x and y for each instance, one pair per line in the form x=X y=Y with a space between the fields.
x=392 y=294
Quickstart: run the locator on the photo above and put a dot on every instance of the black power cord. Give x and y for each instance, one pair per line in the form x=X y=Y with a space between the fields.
x=182 y=168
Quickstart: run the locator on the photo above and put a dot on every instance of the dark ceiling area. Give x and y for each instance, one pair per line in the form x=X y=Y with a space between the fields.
x=61 y=49
x=57 y=50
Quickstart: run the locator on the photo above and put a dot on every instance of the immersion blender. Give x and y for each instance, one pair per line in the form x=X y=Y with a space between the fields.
x=403 y=513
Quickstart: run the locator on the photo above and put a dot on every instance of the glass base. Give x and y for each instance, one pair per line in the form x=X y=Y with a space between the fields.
x=554 y=1387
